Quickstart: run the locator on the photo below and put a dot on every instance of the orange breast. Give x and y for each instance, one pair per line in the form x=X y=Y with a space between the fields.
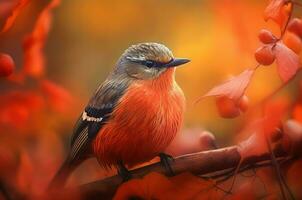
x=147 y=118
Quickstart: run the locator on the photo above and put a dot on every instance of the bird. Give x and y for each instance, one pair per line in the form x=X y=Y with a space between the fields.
x=133 y=115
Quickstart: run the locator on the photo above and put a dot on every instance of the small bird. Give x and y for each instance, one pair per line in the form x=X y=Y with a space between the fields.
x=133 y=115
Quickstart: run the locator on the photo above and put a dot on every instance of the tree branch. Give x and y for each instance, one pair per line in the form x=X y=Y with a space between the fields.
x=210 y=164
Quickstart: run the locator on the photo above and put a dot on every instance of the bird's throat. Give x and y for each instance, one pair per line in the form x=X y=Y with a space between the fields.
x=164 y=81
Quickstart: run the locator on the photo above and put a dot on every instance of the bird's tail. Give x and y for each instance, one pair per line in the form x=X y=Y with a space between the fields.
x=60 y=178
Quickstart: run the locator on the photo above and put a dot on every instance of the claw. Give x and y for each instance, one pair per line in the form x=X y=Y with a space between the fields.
x=123 y=172
x=165 y=160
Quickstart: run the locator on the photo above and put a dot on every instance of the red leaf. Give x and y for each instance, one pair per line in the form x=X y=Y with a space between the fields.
x=295 y=26
x=287 y=61
x=255 y=145
x=59 y=98
x=273 y=113
x=277 y=11
x=17 y=107
x=157 y=186
x=264 y=128
x=11 y=19
x=297 y=113
x=34 y=43
x=233 y=88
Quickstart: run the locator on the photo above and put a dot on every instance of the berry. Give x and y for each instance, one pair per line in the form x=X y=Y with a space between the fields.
x=7 y=65
x=266 y=37
x=227 y=107
x=293 y=42
x=243 y=103
x=295 y=26
x=264 y=55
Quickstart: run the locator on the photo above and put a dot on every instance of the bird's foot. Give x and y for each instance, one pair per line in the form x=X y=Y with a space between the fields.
x=123 y=172
x=165 y=160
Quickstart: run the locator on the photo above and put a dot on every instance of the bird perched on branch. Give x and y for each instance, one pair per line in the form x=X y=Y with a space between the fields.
x=133 y=115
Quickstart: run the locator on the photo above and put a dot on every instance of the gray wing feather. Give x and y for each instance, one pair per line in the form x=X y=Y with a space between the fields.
x=79 y=143
x=96 y=113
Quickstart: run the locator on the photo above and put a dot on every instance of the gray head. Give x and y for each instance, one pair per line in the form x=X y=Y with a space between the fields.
x=147 y=61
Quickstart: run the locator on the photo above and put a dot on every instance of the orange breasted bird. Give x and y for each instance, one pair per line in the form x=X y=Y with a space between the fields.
x=133 y=115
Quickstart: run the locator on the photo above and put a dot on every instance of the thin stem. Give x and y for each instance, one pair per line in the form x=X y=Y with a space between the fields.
x=276 y=91
x=297 y=3
x=254 y=166
x=287 y=188
x=287 y=22
x=277 y=168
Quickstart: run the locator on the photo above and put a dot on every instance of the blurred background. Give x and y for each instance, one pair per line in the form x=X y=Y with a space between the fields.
x=87 y=38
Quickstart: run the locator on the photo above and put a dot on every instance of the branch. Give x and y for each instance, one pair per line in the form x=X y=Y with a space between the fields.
x=210 y=164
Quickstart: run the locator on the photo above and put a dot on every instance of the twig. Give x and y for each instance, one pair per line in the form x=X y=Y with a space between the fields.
x=4 y=191
x=267 y=163
x=9 y=192
x=297 y=3
x=276 y=167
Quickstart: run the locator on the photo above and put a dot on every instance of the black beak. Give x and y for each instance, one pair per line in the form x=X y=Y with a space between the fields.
x=176 y=62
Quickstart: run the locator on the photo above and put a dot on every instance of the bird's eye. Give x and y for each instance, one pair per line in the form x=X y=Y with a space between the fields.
x=150 y=63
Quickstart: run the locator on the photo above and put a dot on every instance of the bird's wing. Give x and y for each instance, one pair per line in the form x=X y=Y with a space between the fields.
x=95 y=115
x=87 y=127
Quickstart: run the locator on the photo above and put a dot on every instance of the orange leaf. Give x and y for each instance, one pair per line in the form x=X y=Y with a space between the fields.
x=233 y=88
x=11 y=19
x=33 y=44
x=277 y=11
x=287 y=61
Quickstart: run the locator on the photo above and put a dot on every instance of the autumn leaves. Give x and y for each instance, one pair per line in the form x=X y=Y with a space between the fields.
x=7 y=65
x=284 y=50
x=33 y=44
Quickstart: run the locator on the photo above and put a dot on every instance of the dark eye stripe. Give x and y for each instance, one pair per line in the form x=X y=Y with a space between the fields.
x=152 y=63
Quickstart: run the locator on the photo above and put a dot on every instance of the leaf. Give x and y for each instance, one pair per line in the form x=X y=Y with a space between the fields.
x=18 y=107
x=11 y=19
x=33 y=44
x=261 y=129
x=287 y=61
x=277 y=11
x=233 y=88
x=255 y=144
x=58 y=97
x=157 y=186
x=297 y=113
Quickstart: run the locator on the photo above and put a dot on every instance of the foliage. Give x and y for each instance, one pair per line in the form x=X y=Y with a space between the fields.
x=33 y=116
